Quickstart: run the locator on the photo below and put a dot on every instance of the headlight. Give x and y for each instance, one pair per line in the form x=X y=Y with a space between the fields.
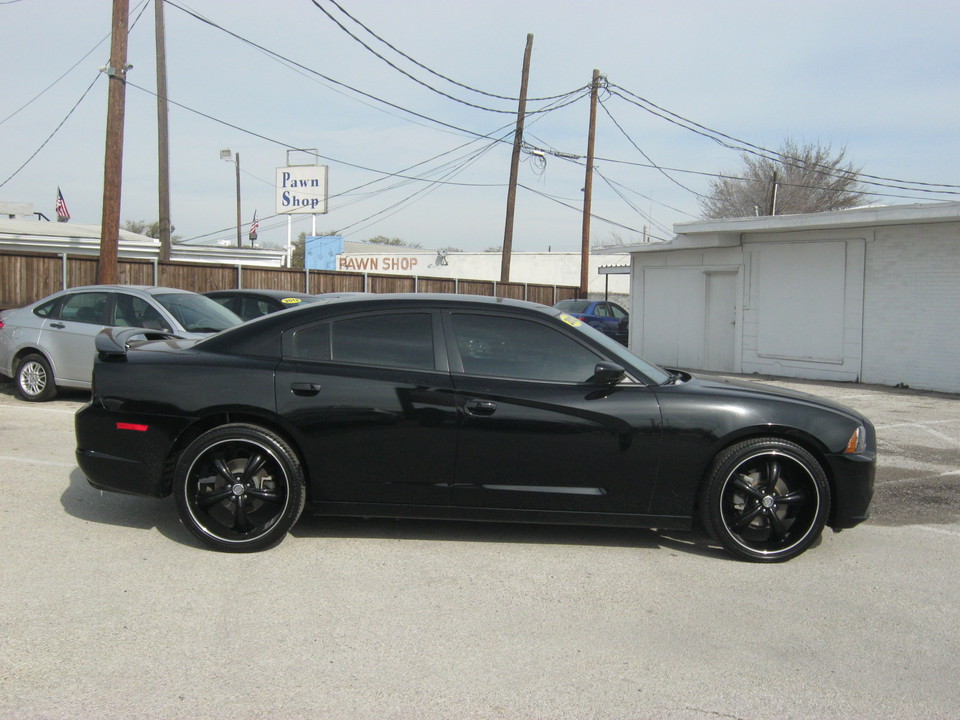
x=857 y=442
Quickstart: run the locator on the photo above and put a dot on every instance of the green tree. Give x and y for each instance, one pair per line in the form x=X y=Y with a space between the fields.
x=141 y=227
x=397 y=242
x=802 y=179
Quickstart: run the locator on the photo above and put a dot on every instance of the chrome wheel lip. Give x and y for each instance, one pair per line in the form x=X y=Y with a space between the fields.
x=753 y=548
x=202 y=524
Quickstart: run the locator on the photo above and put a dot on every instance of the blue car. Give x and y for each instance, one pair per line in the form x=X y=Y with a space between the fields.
x=607 y=317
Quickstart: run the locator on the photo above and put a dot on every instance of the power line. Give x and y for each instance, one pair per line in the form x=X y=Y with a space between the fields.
x=420 y=64
x=55 y=131
x=580 y=210
x=745 y=146
x=630 y=139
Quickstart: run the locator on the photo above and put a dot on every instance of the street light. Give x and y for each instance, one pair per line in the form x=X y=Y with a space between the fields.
x=227 y=154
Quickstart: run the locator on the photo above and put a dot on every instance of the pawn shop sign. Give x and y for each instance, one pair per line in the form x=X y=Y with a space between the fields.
x=302 y=189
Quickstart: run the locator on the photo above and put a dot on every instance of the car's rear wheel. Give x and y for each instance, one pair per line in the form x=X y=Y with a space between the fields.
x=765 y=500
x=239 y=488
x=34 y=379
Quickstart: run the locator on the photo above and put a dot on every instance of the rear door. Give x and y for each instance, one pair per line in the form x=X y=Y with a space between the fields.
x=372 y=402
x=69 y=338
x=534 y=433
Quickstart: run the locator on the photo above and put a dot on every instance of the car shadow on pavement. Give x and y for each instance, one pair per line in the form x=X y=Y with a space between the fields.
x=319 y=526
x=84 y=502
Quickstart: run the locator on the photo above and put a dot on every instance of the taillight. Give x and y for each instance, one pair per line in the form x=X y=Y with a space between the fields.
x=132 y=426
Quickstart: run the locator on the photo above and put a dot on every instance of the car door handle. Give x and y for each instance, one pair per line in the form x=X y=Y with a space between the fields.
x=58 y=325
x=480 y=408
x=305 y=389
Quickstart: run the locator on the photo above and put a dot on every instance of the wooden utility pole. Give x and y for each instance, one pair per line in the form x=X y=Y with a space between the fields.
x=515 y=165
x=113 y=154
x=239 y=231
x=588 y=189
x=163 y=146
x=773 y=194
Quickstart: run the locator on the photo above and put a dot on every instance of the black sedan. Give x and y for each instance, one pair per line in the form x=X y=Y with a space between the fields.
x=249 y=304
x=451 y=406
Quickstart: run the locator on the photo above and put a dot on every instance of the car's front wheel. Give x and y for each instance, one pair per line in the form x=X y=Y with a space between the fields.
x=765 y=500
x=34 y=379
x=239 y=488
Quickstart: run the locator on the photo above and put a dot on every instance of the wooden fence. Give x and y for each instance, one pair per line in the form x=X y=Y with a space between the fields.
x=28 y=277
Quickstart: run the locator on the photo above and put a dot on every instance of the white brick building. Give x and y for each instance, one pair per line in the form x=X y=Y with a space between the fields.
x=870 y=294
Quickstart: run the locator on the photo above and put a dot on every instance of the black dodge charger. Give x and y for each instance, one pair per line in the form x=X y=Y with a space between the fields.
x=452 y=406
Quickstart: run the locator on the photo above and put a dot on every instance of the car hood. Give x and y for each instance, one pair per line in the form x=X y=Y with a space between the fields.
x=746 y=388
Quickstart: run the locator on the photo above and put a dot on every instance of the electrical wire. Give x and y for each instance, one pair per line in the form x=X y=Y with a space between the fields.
x=573 y=95
x=745 y=146
x=55 y=131
x=580 y=210
x=424 y=67
x=631 y=141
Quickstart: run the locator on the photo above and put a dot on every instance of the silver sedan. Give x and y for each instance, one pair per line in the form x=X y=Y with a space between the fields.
x=51 y=342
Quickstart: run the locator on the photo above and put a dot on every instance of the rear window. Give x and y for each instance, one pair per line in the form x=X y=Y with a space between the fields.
x=402 y=340
x=573 y=306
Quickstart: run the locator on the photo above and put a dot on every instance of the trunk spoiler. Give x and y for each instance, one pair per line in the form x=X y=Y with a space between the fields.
x=112 y=343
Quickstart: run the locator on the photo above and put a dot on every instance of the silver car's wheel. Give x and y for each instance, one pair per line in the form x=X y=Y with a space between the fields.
x=765 y=500
x=35 y=379
x=239 y=488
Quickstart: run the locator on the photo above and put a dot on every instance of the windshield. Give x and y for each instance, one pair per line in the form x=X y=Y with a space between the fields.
x=654 y=373
x=197 y=313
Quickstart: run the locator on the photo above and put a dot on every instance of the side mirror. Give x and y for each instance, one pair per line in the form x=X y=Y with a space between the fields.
x=607 y=373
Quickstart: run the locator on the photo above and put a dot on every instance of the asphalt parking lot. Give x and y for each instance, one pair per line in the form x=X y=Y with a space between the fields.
x=109 y=608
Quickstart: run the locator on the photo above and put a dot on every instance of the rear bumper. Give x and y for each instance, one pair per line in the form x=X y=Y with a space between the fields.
x=853 y=478
x=125 y=452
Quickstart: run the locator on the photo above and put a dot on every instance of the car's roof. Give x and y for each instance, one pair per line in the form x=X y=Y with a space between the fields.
x=258 y=329
x=277 y=294
x=149 y=289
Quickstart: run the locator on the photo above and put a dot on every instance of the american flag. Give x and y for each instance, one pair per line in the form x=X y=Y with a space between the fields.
x=254 y=226
x=62 y=213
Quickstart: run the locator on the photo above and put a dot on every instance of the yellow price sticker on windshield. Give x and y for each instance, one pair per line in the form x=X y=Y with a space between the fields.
x=291 y=301
x=570 y=320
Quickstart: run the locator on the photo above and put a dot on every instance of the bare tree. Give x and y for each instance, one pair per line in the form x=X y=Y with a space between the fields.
x=799 y=179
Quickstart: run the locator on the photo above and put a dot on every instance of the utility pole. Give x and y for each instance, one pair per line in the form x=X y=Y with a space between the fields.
x=773 y=195
x=515 y=165
x=239 y=232
x=163 y=138
x=588 y=189
x=113 y=154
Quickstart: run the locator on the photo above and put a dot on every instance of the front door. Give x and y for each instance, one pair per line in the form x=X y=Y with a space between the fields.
x=534 y=434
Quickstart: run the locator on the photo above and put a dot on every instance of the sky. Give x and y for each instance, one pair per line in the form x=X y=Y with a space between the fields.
x=426 y=160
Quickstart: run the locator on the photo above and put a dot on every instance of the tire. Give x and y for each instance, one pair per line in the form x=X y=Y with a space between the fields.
x=239 y=488
x=34 y=379
x=765 y=500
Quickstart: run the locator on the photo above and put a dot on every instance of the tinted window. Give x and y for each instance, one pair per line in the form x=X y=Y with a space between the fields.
x=50 y=309
x=395 y=340
x=523 y=349
x=131 y=311
x=85 y=307
x=253 y=308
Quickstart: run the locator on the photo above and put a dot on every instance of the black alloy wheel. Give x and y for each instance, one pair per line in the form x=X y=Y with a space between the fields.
x=35 y=379
x=765 y=500
x=239 y=488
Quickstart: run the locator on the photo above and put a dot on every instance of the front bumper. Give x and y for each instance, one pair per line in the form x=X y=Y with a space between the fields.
x=853 y=478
